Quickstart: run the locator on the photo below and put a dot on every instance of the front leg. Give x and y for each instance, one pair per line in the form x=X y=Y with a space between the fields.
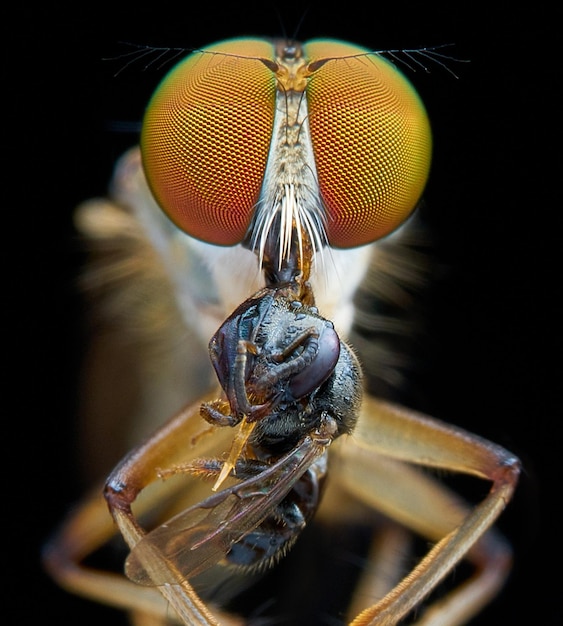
x=218 y=413
x=304 y=365
x=90 y=526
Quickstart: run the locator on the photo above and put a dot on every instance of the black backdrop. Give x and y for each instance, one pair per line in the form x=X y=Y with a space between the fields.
x=495 y=325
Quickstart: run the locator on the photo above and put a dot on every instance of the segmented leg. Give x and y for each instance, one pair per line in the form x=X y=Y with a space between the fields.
x=372 y=466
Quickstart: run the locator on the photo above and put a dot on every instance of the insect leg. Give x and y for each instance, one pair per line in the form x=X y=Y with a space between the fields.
x=387 y=436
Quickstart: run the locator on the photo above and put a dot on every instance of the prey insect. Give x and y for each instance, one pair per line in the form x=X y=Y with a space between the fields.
x=293 y=388
x=254 y=148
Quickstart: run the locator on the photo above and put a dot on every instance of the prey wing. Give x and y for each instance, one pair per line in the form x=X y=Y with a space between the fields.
x=202 y=535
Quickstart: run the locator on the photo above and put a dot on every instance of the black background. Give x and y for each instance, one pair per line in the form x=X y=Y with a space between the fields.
x=495 y=344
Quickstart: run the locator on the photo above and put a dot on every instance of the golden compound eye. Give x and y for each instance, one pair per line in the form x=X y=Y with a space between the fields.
x=371 y=140
x=206 y=137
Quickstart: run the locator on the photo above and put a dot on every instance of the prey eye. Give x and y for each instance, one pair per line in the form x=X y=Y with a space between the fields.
x=208 y=137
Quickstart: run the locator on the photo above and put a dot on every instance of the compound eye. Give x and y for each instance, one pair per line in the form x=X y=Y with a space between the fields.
x=371 y=139
x=206 y=136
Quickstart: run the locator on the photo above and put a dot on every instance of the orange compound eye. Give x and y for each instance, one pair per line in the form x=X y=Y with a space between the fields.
x=371 y=140
x=206 y=137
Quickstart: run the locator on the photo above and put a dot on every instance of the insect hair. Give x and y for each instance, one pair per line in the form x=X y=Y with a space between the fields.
x=159 y=57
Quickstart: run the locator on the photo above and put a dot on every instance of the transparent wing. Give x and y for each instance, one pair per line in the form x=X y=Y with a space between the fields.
x=203 y=534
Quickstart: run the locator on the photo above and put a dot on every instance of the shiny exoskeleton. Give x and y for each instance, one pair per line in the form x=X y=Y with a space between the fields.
x=284 y=367
x=282 y=364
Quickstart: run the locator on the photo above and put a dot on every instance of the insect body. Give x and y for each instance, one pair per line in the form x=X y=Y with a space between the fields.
x=296 y=379
x=288 y=160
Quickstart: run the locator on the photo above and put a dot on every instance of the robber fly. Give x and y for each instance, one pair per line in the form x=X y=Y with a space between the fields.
x=287 y=160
